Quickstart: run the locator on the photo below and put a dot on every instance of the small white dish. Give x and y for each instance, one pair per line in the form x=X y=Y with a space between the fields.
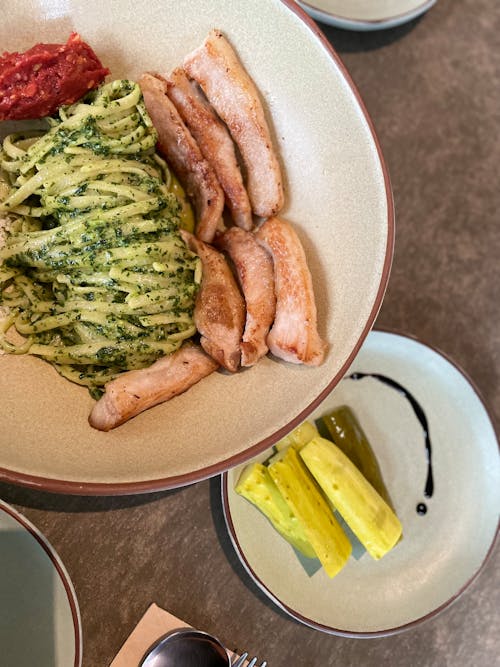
x=366 y=15
x=39 y=616
x=443 y=549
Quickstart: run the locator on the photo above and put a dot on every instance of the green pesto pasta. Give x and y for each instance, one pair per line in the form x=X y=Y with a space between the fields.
x=94 y=274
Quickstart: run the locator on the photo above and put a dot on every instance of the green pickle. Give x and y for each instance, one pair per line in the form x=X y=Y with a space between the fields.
x=345 y=431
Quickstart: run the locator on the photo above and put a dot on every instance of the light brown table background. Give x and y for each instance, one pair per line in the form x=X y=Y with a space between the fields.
x=432 y=88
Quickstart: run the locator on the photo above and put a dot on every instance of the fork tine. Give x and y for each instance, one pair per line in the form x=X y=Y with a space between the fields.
x=241 y=660
x=253 y=662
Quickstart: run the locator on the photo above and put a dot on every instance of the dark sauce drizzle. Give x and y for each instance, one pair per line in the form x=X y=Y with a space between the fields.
x=420 y=414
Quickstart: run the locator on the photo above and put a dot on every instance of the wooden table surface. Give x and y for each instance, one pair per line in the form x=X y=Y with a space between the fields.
x=432 y=88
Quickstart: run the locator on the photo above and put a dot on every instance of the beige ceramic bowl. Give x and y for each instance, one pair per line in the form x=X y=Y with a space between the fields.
x=337 y=195
x=447 y=534
x=366 y=14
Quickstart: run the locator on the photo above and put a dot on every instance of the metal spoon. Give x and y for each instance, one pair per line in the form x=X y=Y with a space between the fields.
x=186 y=648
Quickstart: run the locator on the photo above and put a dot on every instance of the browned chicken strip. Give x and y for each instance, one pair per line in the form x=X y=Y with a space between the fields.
x=136 y=391
x=214 y=141
x=294 y=336
x=219 y=311
x=254 y=268
x=232 y=93
x=182 y=153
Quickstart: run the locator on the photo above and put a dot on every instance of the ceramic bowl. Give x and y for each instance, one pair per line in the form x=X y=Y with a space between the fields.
x=338 y=197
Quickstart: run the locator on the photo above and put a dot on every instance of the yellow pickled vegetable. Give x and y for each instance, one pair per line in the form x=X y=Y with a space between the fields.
x=256 y=485
x=362 y=508
x=298 y=437
x=320 y=526
x=346 y=432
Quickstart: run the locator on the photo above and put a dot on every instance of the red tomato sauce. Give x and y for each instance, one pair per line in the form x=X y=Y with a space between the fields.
x=37 y=82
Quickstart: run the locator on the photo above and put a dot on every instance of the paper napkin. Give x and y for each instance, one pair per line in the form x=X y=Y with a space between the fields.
x=155 y=623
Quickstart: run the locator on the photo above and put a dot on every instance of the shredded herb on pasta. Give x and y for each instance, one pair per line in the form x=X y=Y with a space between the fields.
x=94 y=273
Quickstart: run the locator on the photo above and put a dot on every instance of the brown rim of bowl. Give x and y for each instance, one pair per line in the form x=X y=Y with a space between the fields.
x=147 y=486
x=61 y=571
x=375 y=633
x=400 y=18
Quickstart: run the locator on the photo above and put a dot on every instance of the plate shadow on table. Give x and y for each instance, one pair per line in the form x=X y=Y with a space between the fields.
x=227 y=547
x=55 y=502
x=354 y=41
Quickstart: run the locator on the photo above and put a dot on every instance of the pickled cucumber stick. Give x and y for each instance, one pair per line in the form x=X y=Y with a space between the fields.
x=298 y=437
x=322 y=529
x=346 y=432
x=256 y=485
x=366 y=513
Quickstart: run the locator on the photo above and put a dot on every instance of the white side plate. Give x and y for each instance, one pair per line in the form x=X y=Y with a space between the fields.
x=443 y=550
